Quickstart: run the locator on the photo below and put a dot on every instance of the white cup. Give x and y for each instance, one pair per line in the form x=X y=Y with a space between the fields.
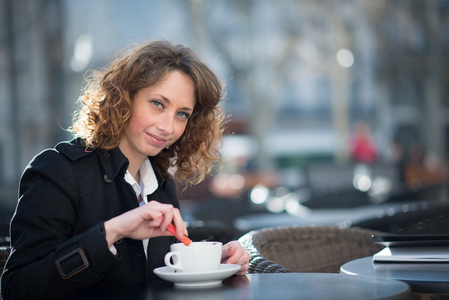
x=197 y=257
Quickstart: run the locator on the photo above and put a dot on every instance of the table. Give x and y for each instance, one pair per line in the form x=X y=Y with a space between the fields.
x=283 y=286
x=427 y=278
x=342 y=217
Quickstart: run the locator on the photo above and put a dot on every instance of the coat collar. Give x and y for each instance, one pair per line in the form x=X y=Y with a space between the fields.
x=113 y=161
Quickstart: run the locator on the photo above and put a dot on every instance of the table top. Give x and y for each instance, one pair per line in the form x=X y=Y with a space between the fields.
x=269 y=286
x=318 y=217
x=432 y=278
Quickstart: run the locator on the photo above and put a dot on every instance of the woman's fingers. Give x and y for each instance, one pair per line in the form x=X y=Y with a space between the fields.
x=159 y=214
x=168 y=214
x=181 y=229
x=234 y=253
x=146 y=221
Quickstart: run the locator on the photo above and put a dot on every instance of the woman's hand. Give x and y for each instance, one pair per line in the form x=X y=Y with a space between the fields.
x=234 y=253
x=147 y=221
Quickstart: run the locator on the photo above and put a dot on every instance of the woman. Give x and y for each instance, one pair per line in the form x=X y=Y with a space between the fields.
x=92 y=212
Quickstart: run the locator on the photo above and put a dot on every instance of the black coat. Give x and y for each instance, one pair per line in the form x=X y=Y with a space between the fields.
x=66 y=195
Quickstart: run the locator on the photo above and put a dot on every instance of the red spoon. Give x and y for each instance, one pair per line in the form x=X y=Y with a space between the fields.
x=184 y=239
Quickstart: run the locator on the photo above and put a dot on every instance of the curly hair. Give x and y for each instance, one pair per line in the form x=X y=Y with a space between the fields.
x=108 y=97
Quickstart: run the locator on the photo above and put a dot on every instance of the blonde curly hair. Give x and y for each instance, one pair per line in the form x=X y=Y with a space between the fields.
x=108 y=97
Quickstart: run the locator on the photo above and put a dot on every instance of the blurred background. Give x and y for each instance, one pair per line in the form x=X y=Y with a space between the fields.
x=338 y=109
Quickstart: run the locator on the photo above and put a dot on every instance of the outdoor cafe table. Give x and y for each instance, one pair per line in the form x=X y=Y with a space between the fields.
x=423 y=278
x=282 y=286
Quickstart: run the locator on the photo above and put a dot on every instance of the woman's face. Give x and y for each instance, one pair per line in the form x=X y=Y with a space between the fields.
x=159 y=116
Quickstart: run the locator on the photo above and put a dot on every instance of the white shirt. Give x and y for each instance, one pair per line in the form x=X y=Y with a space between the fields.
x=148 y=181
x=148 y=184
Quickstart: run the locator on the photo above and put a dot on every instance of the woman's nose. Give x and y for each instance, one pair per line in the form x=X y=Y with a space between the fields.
x=165 y=124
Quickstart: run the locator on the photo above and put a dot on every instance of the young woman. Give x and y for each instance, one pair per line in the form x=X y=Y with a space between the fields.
x=93 y=212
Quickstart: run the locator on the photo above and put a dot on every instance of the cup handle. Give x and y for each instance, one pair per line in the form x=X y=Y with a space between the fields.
x=167 y=258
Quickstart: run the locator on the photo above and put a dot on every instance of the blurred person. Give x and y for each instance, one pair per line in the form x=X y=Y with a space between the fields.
x=363 y=148
x=93 y=211
x=423 y=168
x=397 y=156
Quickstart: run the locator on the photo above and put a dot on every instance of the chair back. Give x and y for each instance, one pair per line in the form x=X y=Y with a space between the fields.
x=5 y=249
x=307 y=249
x=4 y=254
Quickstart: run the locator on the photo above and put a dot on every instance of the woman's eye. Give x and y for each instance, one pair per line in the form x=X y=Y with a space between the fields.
x=157 y=103
x=184 y=114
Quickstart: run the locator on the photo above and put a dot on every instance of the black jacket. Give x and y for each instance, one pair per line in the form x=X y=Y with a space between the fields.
x=66 y=195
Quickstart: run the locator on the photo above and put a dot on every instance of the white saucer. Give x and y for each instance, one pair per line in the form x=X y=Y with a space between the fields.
x=200 y=279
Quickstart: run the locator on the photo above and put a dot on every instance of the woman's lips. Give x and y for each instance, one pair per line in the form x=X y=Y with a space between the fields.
x=155 y=140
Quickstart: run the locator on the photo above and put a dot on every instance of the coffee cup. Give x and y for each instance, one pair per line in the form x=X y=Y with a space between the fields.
x=197 y=257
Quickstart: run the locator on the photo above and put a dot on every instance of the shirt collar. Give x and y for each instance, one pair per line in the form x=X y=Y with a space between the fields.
x=148 y=178
x=148 y=181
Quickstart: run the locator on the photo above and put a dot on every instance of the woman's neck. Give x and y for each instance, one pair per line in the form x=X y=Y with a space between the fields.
x=135 y=162
x=134 y=168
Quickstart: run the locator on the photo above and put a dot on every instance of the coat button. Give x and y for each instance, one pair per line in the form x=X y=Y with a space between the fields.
x=107 y=179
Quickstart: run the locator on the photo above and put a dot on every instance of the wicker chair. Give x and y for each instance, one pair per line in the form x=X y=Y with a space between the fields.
x=307 y=249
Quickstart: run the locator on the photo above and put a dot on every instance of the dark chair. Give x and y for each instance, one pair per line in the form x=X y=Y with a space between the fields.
x=307 y=249
x=4 y=254
x=414 y=217
x=5 y=249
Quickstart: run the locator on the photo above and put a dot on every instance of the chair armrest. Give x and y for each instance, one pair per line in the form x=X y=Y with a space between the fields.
x=259 y=264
